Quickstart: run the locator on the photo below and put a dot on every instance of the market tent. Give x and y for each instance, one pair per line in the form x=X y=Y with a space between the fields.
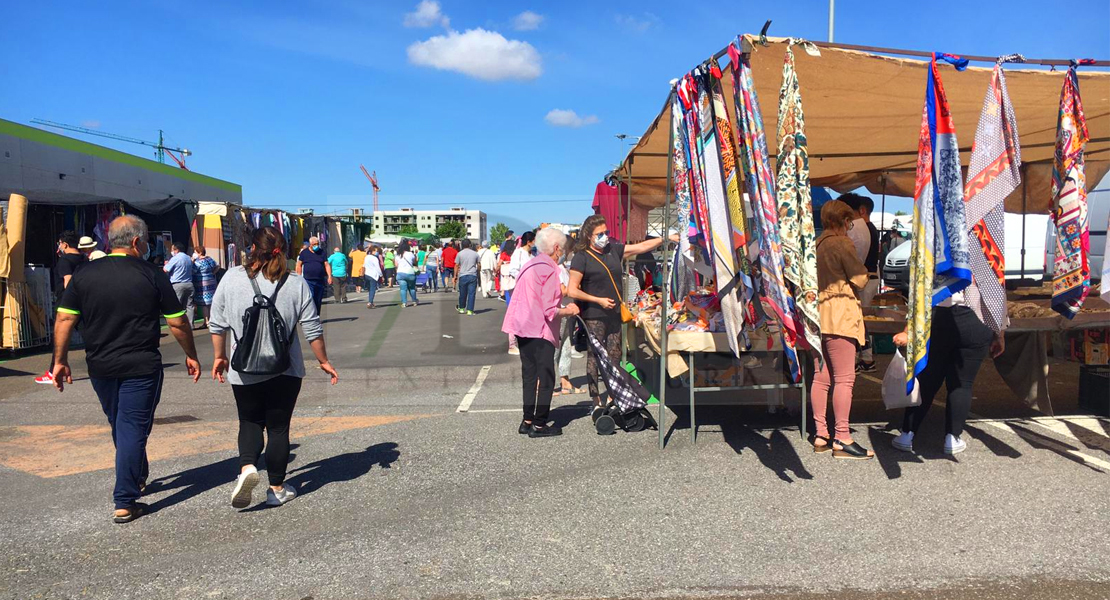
x=863 y=116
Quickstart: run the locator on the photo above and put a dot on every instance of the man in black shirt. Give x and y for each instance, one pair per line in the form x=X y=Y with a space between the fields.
x=69 y=258
x=119 y=301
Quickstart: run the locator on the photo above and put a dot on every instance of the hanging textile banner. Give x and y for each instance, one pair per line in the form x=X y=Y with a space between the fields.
x=939 y=259
x=796 y=226
x=1071 y=279
x=761 y=190
x=993 y=173
x=720 y=227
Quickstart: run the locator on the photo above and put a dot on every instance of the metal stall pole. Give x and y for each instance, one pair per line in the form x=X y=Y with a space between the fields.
x=882 y=226
x=624 y=261
x=1024 y=187
x=666 y=288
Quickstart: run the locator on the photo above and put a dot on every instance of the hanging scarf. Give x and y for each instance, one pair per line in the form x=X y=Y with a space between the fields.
x=796 y=228
x=682 y=276
x=698 y=225
x=720 y=227
x=994 y=172
x=761 y=189
x=939 y=260
x=1071 y=274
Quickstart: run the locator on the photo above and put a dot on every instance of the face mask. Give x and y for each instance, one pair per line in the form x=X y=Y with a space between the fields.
x=601 y=240
x=315 y=248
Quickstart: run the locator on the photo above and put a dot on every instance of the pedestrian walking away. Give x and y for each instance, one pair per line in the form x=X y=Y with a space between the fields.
x=534 y=320
x=466 y=278
x=338 y=263
x=265 y=402
x=358 y=257
x=406 y=273
x=372 y=274
x=390 y=266
x=204 y=282
x=119 y=302
x=315 y=269
x=841 y=277
x=487 y=259
x=180 y=269
x=447 y=264
x=431 y=266
x=596 y=281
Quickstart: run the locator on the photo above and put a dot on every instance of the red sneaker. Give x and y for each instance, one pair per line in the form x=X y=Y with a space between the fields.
x=45 y=379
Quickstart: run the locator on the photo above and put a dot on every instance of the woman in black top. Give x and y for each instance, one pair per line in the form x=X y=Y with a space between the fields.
x=596 y=272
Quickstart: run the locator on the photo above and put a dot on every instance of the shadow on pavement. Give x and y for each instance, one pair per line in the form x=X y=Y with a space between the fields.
x=777 y=453
x=12 y=372
x=192 y=482
x=343 y=467
x=338 y=320
x=569 y=413
x=889 y=457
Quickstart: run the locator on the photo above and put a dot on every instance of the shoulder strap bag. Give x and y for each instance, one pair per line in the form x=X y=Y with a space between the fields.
x=626 y=315
x=264 y=347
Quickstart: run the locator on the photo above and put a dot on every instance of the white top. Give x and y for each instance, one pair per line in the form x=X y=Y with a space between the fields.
x=519 y=258
x=406 y=264
x=432 y=258
x=487 y=258
x=372 y=265
x=861 y=238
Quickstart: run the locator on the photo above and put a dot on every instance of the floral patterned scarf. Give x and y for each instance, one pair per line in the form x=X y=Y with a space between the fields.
x=1071 y=279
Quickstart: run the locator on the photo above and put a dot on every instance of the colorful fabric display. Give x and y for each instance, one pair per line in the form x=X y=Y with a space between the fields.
x=683 y=279
x=796 y=227
x=940 y=260
x=994 y=172
x=761 y=190
x=1071 y=280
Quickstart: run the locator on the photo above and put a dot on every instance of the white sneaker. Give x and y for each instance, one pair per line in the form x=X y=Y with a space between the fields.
x=576 y=354
x=903 y=442
x=953 y=444
x=244 y=488
x=514 y=351
x=286 y=494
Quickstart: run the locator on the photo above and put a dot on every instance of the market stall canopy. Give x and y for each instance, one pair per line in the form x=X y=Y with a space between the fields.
x=48 y=168
x=863 y=117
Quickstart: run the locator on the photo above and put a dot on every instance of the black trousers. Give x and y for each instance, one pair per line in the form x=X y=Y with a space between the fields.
x=537 y=363
x=958 y=345
x=267 y=405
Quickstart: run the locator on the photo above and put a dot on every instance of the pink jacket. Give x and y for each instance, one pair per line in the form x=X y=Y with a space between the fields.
x=533 y=312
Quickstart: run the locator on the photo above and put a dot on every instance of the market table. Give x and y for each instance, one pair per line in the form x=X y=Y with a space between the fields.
x=690 y=343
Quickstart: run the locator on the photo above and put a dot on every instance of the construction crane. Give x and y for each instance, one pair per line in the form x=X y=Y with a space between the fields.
x=160 y=149
x=373 y=177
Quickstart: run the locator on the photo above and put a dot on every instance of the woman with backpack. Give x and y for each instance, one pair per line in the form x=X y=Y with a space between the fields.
x=266 y=365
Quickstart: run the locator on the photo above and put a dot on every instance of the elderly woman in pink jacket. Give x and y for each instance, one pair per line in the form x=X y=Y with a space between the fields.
x=533 y=318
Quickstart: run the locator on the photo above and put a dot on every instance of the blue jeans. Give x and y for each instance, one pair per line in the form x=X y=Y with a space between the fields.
x=129 y=405
x=408 y=286
x=371 y=286
x=318 y=289
x=468 y=286
x=433 y=277
x=508 y=296
x=448 y=276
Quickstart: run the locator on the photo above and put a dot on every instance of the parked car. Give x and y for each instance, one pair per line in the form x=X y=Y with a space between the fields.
x=896 y=273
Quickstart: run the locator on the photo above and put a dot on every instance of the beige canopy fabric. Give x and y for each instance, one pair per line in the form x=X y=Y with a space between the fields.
x=863 y=117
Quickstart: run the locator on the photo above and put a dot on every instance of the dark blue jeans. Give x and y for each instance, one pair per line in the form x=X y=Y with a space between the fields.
x=129 y=405
x=433 y=276
x=468 y=287
x=371 y=286
x=318 y=289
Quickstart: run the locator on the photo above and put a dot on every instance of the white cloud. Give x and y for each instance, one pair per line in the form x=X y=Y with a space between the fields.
x=637 y=23
x=559 y=117
x=527 y=21
x=427 y=14
x=91 y=124
x=479 y=53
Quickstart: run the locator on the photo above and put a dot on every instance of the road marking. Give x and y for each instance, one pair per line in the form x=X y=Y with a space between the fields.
x=493 y=410
x=464 y=406
x=870 y=378
x=1051 y=424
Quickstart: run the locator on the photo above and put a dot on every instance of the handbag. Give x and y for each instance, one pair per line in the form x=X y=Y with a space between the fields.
x=508 y=282
x=894 y=385
x=626 y=315
x=264 y=347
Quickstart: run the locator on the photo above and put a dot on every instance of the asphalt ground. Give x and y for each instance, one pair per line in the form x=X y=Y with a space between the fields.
x=402 y=496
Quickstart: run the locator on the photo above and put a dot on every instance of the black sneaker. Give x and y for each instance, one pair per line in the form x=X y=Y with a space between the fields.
x=866 y=367
x=548 y=431
x=524 y=428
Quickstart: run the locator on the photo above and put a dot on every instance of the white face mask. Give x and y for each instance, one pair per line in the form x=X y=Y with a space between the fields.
x=601 y=241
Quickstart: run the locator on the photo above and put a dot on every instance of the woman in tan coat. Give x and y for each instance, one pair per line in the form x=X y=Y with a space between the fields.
x=840 y=278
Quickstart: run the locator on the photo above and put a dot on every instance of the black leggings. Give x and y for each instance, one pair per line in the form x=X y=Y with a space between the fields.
x=957 y=347
x=266 y=405
x=537 y=363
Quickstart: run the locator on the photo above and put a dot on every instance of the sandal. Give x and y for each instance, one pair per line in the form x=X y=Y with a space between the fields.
x=851 y=451
x=823 y=447
x=137 y=509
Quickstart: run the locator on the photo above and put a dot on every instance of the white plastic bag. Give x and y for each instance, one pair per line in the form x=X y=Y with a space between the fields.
x=894 y=385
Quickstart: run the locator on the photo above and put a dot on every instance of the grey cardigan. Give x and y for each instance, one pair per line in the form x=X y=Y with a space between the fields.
x=235 y=295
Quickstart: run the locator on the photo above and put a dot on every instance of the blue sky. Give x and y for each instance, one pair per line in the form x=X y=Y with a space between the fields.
x=446 y=101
